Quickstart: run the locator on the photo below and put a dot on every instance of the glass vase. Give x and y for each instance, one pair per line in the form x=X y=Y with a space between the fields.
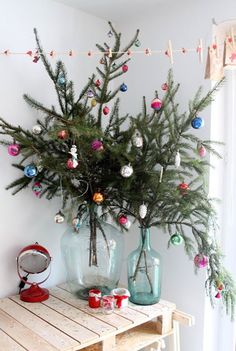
x=93 y=256
x=144 y=272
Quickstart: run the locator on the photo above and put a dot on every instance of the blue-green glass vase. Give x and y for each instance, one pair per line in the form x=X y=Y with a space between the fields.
x=144 y=272
x=93 y=256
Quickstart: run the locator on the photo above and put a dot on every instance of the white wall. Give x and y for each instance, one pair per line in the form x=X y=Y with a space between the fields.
x=184 y=22
x=24 y=218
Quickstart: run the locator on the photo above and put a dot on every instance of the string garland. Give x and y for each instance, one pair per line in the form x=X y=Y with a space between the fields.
x=35 y=55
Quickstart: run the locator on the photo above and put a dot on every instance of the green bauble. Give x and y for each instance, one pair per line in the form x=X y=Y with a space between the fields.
x=176 y=239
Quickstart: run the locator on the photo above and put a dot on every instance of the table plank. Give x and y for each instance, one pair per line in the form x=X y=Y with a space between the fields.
x=22 y=335
x=8 y=344
x=64 y=324
x=155 y=310
x=111 y=319
x=78 y=316
x=49 y=333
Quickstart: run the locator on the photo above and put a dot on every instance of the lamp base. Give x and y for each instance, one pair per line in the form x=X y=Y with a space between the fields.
x=34 y=294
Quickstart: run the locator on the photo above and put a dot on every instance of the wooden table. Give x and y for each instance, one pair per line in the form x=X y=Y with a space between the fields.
x=65 y=323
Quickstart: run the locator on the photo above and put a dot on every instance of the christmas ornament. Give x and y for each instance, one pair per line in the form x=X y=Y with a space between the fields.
x=93 y=102
x=218 y=295
x=61 y=80
x=137 y=43
x=142 y=211
x=102 y=61
x=39 y=164
x=63 y=134
x=105 y=110
x=127 y=225
x=13 y=149
x=177 y=159
x=220 y=286
x=125 y=68
x=123 y=219
x=200 y=261
x=137 y=140
x=90 y=94
x=76 y=223
x=72 y=164
x=37 y=129
x=123 y=87
x=97 y=83
x=30 y=171
x=176 y=239
x=197 y=123
x=156 y=104
x=202 y=151
x=98 y=198
x=97 y=145
x=164 y=87
x=126 y=171
x=183 y=188
x=37 y=188
x=59 y=217
x=110 y=34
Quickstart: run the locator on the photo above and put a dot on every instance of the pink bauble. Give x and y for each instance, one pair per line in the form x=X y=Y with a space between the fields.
x=156 y=104
x=71 y=164
x=200 y=261
x=106 y=110
x=164 y=86
x=202 y=151
x=13 y=149
x=122 y=219
x=125 y=68
x=97 y=145
x=218 y=295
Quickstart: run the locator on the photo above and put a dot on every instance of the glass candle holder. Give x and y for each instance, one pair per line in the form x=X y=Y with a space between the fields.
x=108 y=304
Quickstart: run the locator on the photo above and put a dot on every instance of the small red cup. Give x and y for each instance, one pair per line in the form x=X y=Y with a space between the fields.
x=94 y=299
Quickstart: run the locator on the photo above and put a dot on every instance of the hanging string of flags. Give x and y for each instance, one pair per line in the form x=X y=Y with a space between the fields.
x=169 y=51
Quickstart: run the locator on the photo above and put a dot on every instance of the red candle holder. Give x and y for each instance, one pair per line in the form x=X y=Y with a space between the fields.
x=94 y=299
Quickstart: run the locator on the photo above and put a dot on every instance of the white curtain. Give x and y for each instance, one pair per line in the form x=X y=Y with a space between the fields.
x=223 y=185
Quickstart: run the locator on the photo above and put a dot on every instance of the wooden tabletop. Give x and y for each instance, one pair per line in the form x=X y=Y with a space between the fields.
x=65 y=323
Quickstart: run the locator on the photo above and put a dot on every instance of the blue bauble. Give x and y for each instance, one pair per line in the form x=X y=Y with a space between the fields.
x=30 y=171
x=197 y=122
x=123 y=87
x=61 y=80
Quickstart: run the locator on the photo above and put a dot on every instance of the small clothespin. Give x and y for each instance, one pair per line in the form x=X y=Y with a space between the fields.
x=30 y=53
x=170 y=52
x=161 y=174
x=109 y=53
x=200 y=50
x=7 y=52
x=216 y=47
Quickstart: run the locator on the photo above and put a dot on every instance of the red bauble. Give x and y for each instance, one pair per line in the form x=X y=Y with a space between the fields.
x=156 y=104
x=125 y=68
x=183 y=188
x=164 y=86
x=63 y=134
x=71 y=164
x=123 y=219
x=106 y=110
x=98 y=83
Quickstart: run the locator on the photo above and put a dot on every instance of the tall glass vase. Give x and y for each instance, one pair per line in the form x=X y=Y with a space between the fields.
x=93 y=256
x=144 y=272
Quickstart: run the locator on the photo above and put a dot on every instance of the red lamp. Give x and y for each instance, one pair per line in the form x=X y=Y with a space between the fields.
x=33 y=259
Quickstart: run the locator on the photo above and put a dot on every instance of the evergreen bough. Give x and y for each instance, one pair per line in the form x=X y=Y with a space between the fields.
x=164 y=132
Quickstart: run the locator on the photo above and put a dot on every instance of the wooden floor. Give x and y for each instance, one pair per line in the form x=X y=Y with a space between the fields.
x=65 y=323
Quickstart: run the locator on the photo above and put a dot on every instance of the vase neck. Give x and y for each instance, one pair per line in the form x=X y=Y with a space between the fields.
x=145 y=238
